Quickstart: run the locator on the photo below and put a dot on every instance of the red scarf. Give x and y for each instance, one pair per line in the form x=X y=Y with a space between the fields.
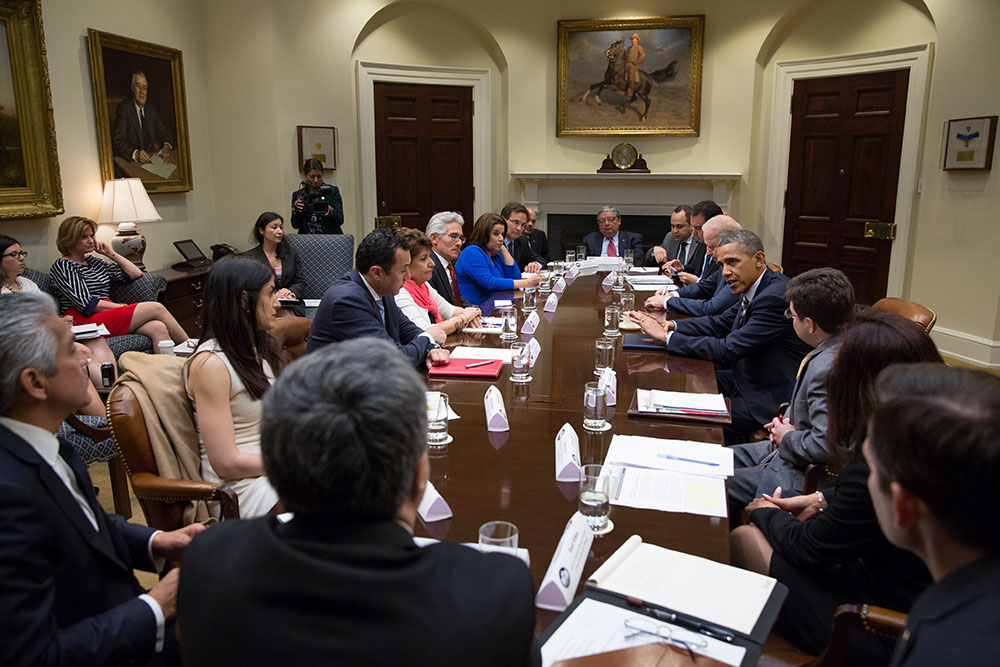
x=422 y=297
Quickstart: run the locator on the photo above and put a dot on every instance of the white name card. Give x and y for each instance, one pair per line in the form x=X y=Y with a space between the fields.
x=534 y=349
x=560 y=286
x=496 y=413
x=609 y=382
x=502 y=303
x=573 y=272
x=561 y=579
x=567 y=455
x=551 y=303
x=432 y=506
x=530 y=323
x=609 y=280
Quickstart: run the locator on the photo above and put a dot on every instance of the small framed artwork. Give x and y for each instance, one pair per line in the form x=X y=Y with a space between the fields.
x=968 y=143
x=141 y=111
x=319 y=143
x=630 y=76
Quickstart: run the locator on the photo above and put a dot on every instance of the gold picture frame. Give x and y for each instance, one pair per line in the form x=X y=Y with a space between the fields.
x=30 y=185
x=598 y=92
x=117 y=65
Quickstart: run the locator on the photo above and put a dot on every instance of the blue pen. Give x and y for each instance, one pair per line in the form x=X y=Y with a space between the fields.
x=681 y=458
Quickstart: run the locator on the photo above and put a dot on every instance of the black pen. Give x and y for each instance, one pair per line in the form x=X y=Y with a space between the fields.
x=695 y=626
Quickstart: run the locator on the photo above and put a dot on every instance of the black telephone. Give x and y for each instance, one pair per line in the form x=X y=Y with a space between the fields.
x=220 y=250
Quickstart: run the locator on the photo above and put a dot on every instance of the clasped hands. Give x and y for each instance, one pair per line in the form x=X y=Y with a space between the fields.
x=802 y=507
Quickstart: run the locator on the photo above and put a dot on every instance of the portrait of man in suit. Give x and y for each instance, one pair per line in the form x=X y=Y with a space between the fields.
x=139 y=133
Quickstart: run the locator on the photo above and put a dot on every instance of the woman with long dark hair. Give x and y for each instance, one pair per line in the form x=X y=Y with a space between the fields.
x=277 y=253
x=831 y=551
x=485 y=266
x=233 y=365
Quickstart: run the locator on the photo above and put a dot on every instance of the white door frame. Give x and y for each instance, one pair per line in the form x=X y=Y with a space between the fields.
x=477 y=79
x=917 y=60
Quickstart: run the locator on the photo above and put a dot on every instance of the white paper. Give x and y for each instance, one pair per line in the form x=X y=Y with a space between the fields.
x=311 y=303
x=566 y=567
x=650 y=279
x=432 y=506
x=496 y=413
x=159 y=167
x=433 y=401
x=463 y=352
x=502 y=303
x=567 y=455
x=609 y=382
x=643 y=269
x=530 y=323
x=667 y=491
x=491 y=325
x=694 y=586
x=427 y=541
x=598 y=627
x=89 y=331
x=534 y=349
x=560 y=286
x=606 y=263
x=684 y=456
x=186 y=349
x=683 y=400
x=551 y=303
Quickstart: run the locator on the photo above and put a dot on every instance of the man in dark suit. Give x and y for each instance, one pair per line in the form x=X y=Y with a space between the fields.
x=139 y=132
x=343 y=583
x=536 y=237
x=360 y=303
x=445 y=232
x=68 y=595
x=679 y=244
x=701 y=213
x=515 y=215
x=611 y=240
x=753 y=341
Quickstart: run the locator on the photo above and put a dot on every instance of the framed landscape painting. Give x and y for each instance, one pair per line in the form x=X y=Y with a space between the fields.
x=630 y=76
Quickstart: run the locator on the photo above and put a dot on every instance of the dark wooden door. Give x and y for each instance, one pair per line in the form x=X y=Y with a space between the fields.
x=423 y=151
x=843 y=169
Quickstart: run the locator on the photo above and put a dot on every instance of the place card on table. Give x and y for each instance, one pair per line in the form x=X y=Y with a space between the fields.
x=567 y=455
x=609 y=383
x=502 y=303
x=551 y=303
x=433 y=506
x=496 y=413
x=573 y=272
x=534 y=349
x=561 y=579
x=608 y=281
x=530 y=323
x=560 y=286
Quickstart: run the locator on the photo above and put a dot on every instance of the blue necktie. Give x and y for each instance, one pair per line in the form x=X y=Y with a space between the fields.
x=381 y=310
x=705 y=267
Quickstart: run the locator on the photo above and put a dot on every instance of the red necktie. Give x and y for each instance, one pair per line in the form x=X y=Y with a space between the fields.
x=611 y=248
x=454 y=284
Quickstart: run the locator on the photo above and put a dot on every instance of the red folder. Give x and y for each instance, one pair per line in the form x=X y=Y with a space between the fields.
x=457 y=368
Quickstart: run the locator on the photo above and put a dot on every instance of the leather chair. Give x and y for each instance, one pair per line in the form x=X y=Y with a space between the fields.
x=91 y=438
x=911 y=310
x=323 y=258
x=292 y=334
x=775 y=267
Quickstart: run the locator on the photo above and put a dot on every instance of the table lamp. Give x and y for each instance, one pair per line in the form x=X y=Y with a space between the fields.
x=126 y=202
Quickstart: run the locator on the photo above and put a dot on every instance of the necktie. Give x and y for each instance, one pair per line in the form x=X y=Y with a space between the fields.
x=740 y=316
x=381 y=310
x=611 y=248
x=147 y=141
x=798 y=374
x=454 y=285
x=681 y=255
x=705 y=267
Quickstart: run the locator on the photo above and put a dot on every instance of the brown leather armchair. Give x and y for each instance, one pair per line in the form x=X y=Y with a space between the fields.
x=911 y=310
x=292 y=334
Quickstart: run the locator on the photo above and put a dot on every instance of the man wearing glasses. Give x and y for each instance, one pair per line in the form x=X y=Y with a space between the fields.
x=611 y=240
x=515 y=214
x=445 y=232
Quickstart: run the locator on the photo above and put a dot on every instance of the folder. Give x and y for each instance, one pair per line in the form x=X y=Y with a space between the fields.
x=642 y=342
x=457 y=368
x=690 y=416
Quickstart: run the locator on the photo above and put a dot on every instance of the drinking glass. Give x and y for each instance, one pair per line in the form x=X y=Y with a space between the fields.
x=604 y=355
x=509 y=316
x=612 y=315
x=628 y=302
x=529 y=298
x=593 y=407
x=437 y=419
x=570 y=256
x=520 y=362
x=498 y=536
x=629 y=257
x=618 y=284
x=581 y=252
x=594 y=498
x=545 y=284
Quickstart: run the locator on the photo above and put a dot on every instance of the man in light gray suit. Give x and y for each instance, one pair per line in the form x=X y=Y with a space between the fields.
x=821 y=306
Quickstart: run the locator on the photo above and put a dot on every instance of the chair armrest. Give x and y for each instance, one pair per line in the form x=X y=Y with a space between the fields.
x=878 y=621
x=146 y=287
x=148 y=486
x=97 y=434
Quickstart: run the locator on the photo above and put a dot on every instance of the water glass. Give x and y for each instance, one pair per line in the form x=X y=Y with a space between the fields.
x=618 y=284
x=594 y=404
x=594 y=498
x=498 y=536
x=604 y=355
x=545 y=284
x=437 y=419
x=628 y=302
x=570 y=256
x=509 y=316
x=612 y=316
x=581 y=252
x=520 y=362
x=529 y=298
x=629 y=257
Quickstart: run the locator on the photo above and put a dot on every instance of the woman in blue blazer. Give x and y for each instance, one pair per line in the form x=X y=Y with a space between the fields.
x=485 y=267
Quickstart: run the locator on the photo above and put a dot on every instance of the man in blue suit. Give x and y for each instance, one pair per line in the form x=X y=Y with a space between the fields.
x=68 y=595
x=611 y=240
x=360 y=303
x=753 y=341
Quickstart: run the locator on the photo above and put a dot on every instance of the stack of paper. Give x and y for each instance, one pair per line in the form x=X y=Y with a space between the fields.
x=681 y=403
x=490 y=325
x=88 y=331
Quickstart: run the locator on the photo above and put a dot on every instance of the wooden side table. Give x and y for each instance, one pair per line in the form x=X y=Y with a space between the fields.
x=184 y=296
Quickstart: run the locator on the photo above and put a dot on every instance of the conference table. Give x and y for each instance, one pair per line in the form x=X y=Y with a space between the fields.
x=510 y=475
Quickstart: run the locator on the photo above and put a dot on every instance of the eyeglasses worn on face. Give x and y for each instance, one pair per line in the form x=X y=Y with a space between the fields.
x=611 y=219
x=16 y=253
x=789 y=314
x=455 y=237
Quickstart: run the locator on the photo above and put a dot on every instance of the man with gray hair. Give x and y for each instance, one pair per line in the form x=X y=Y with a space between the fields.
x=611 y=240
x=67 y=592
x=753 y=341
x=343 y=581
x=445 y=232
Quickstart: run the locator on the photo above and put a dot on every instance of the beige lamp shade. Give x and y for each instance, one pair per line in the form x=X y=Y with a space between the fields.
x=126 y=201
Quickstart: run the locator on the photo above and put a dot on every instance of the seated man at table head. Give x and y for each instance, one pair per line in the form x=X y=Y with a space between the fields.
x=360 y=303
x=515 y=214
x=710 y=295
x=536 y=237
x=752 y=341
x=933 y=447
x=445 y=232
x=821 y=306
x=343 y=583
x=67 y=591
x=679 y=244
x=610 y=240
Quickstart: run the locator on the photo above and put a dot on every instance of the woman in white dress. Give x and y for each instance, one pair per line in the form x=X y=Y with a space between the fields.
x=233 y=365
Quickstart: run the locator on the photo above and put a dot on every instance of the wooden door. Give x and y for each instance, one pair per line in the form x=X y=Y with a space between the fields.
x=843 y=169
x=423 y=151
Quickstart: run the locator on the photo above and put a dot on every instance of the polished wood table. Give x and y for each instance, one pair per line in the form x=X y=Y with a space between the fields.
x=511 y=475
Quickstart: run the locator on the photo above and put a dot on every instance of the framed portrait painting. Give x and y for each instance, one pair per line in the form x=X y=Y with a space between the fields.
x=630 y=76
x=141 y=112
x=30 y=185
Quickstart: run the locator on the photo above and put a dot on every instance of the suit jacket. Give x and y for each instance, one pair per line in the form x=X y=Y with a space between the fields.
x=347 y=310
x=764 y=353
x=291 y=278
x=695 y=253
x=720 y=299
x=626 y=241
x=323 y=590
x=702 y=289
x=540 y=244
x=127 y=137
x=524 y=254
x=67 y=592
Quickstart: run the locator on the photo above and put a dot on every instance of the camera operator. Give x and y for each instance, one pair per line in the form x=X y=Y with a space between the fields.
x=317 y=207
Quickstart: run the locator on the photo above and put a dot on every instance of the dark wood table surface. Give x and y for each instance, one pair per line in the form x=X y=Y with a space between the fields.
x=511 y=475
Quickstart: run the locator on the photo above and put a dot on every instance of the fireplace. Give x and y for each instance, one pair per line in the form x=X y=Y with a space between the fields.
x=566 y=230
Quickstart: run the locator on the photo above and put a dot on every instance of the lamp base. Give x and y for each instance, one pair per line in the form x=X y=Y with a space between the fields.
x=131 y=245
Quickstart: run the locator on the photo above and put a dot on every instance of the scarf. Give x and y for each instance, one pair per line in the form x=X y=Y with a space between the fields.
x=422 y=297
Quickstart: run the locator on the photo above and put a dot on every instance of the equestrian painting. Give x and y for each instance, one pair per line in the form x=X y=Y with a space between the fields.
x=630 y=76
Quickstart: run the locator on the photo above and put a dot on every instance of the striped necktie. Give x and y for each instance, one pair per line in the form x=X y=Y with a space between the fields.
x=741 y=316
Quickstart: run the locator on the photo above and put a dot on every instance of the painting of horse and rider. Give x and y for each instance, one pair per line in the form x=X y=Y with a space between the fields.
x=630 y=76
